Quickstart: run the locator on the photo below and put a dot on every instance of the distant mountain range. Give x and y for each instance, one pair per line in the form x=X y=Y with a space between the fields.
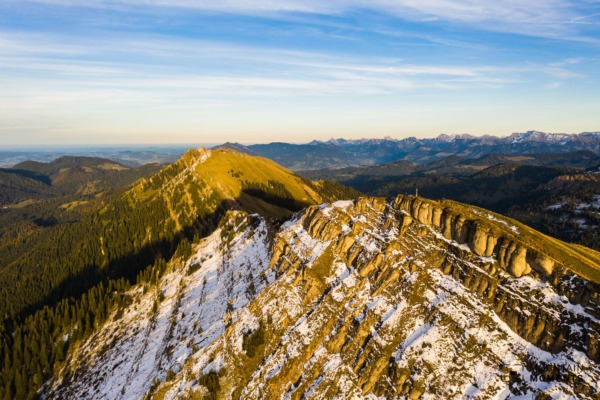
x=338 y=153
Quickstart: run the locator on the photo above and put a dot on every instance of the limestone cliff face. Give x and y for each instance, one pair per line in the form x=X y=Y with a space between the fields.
x=482 y=237
x=515 y=252
x=403 y=298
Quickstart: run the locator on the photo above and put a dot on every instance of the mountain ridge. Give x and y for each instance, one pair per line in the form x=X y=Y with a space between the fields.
x=360 y=299
x=59 y=285
x=553 y=192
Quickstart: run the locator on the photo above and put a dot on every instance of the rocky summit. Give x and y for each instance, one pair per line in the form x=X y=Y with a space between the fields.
x=371 y=298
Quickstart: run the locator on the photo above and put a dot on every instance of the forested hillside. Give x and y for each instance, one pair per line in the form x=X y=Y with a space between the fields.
x=63 y=283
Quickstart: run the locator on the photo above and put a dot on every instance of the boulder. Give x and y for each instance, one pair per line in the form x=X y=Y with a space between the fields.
x=542 y=264
x=517 y=264
x=478 y=240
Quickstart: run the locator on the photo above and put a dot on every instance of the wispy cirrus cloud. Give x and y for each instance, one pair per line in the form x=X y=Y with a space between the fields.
x=157 y=70
x=55 y=56
x=558 y=19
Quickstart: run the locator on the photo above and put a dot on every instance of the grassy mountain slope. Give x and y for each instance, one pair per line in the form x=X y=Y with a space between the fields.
x=183 y=199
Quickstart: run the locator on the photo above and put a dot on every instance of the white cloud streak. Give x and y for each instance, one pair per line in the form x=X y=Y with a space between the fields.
x=190 y=70
x=545 y=18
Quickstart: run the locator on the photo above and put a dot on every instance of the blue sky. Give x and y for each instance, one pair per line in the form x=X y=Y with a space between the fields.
x=196 y=71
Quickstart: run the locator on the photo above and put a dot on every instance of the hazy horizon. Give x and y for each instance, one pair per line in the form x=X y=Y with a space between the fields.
x=128 y=72
x=76 y=149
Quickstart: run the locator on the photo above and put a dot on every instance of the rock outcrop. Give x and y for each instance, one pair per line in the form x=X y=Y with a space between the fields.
x=489 y=236
x=483 y=237
x=395 y=299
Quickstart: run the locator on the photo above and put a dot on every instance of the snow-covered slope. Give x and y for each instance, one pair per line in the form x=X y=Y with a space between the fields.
x=167 y=323
x=371 y=299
